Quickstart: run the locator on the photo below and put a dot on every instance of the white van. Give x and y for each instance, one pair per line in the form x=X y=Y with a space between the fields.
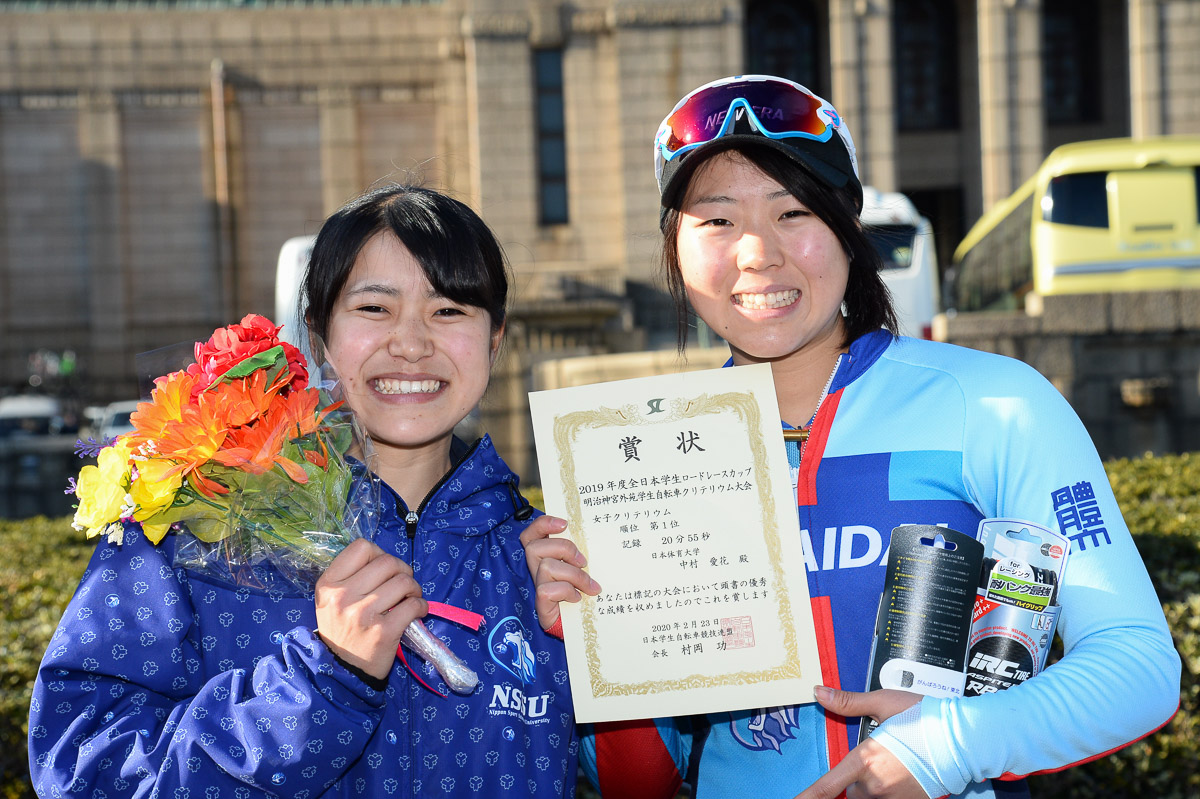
x=289 y=274
x=115 y=419
x=904 y=240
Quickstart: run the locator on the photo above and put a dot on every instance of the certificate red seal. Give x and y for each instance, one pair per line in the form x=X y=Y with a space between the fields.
x=737 y=632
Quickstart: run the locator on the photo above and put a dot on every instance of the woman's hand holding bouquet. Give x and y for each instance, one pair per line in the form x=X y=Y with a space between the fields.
x=262 y=476
x=366 y=601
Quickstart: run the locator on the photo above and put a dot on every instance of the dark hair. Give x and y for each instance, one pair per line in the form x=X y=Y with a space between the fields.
x=459 y=254
x=868 y=301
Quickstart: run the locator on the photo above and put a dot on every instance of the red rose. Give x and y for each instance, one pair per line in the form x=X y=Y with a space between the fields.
x=233 y=344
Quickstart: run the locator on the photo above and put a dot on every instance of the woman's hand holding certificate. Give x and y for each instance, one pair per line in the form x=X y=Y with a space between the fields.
x=557 y=568
x=676 y=493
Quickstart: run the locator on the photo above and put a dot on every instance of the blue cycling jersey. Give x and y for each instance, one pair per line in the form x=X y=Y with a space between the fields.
x=917 y=432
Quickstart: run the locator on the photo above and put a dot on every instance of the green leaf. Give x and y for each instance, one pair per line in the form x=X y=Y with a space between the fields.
x=273 y=360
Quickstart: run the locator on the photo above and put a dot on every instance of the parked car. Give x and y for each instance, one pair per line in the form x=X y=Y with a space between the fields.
x=115 y=419
x=30 y=415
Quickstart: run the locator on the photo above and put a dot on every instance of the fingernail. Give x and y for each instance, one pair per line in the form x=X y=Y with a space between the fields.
x=580 y=559
x=595 y=586
x=560 y=523
x=820 y=692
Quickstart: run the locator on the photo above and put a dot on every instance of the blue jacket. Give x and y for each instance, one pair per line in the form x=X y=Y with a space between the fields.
x=162 y=682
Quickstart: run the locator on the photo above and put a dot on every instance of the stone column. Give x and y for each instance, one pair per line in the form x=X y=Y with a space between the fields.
x=1145 y=68
x=453 y=131
x=100 y=151
x=217 y=184
x=860 y=50
x=340 y=162
x=502 y=169
x=500 y=114
x=1011 y=122
x=659 y=52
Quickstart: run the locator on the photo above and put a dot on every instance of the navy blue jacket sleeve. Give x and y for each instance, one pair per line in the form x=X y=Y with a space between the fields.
x=133 y=698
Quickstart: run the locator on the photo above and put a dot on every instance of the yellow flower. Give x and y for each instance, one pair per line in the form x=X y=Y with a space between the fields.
x=102 y=488
x=152 y=492
x=155 y=532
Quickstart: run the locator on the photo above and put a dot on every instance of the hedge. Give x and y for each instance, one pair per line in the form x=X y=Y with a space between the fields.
x=43 y=559
x=1160 y=498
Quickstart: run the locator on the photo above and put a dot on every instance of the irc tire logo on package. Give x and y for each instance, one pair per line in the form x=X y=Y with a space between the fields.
x=997 y=663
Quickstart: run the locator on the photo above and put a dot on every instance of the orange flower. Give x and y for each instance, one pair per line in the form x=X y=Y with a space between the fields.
x=171 y=394
x=171 y=428
x=191 y=442
x=298 y=412
x=300 y=417
x=256 y=448
x=242 y=402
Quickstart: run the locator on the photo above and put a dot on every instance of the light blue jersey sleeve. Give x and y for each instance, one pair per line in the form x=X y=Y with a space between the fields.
x=1026 y=455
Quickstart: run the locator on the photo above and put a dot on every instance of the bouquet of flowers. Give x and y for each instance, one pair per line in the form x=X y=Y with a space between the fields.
x=252 y=469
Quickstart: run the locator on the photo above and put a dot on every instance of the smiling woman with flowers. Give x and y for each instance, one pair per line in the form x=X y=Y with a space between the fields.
x=201 y=657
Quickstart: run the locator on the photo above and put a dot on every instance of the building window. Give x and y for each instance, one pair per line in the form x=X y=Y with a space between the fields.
x=926 y=58
x=782 y=39
x=1071 y=62
x=551 y=137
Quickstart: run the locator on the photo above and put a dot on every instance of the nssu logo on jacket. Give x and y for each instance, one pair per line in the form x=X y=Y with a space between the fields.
x=509 y=647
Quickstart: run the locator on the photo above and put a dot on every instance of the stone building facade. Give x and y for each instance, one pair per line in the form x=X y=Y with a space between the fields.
x=155 y=155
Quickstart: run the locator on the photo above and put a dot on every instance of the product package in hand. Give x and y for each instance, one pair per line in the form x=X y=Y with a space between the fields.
x=1017 y=608
x=963 y=616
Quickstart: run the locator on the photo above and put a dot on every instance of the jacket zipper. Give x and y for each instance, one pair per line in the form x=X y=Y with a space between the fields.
x=411 y=518
x=820 y=401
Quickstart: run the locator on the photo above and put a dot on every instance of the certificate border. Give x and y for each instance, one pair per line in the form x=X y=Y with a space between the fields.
x=567 y=427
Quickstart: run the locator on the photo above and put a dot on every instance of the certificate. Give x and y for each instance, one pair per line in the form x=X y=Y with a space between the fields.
x=676 y=489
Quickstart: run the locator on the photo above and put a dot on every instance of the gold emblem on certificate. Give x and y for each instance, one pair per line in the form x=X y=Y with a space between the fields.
x=676 y=488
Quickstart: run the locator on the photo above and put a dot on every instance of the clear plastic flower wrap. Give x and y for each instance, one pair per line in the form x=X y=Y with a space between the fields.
x=278 y=532
x=263 y=478
x=271 y=533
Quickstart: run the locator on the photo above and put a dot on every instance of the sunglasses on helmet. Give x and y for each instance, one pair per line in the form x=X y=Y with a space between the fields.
x=773 y=107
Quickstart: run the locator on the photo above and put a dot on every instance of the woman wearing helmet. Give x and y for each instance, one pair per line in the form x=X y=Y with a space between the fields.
x=760 y=200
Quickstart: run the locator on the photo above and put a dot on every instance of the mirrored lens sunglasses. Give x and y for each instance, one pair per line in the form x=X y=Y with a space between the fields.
x=776 y=110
